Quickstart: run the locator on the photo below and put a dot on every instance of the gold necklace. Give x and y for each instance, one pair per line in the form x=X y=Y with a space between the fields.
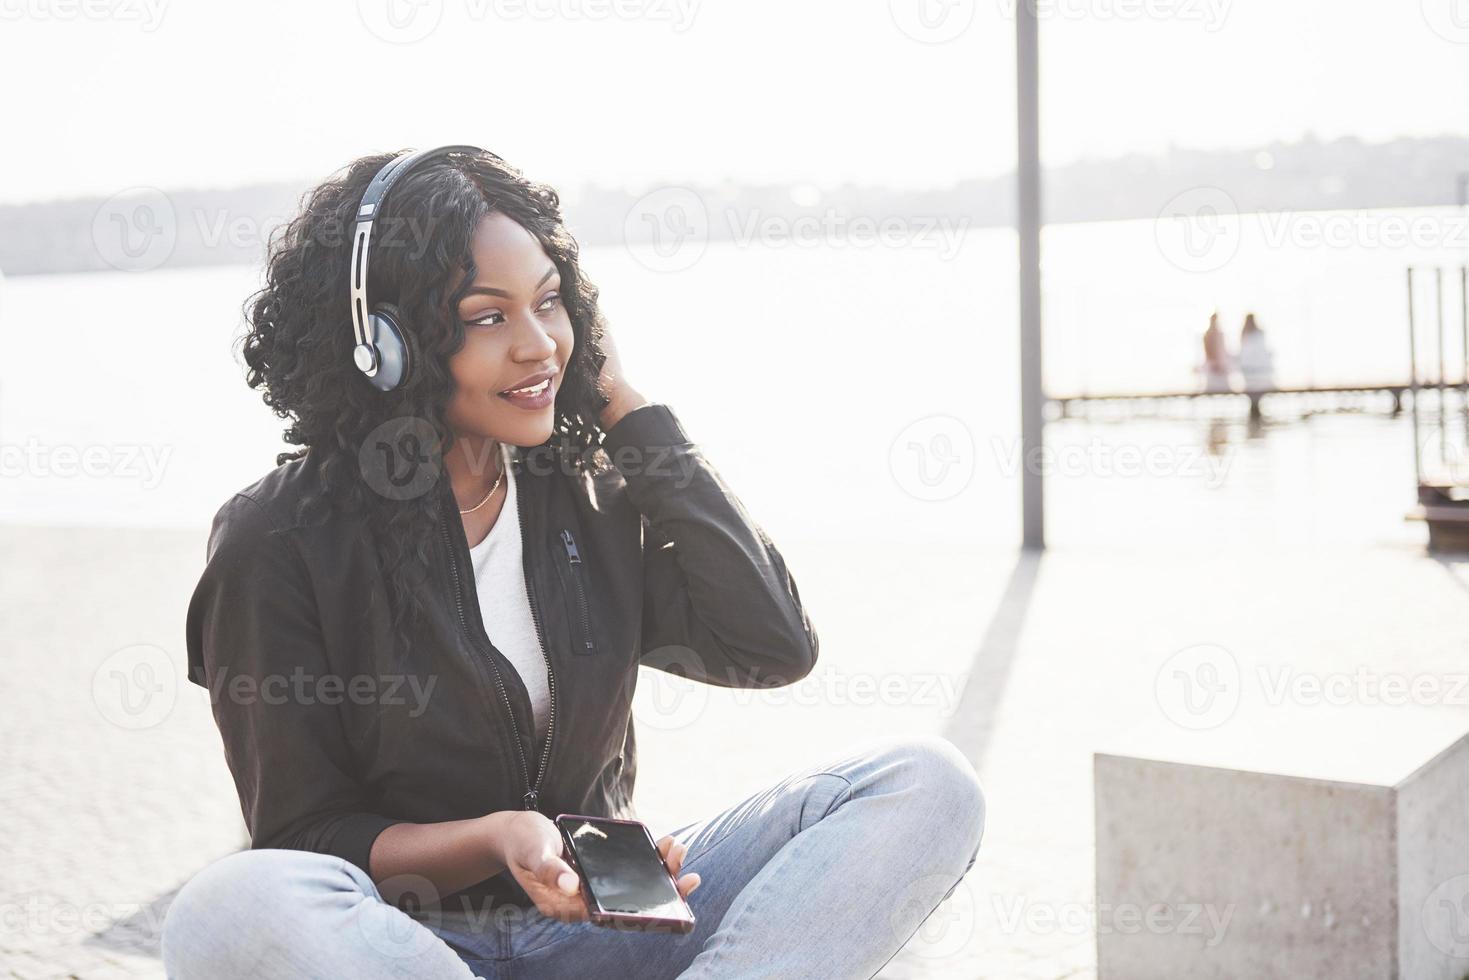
x=491 y=493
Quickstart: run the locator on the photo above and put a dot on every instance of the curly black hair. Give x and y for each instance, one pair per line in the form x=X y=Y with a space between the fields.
x=298 y=342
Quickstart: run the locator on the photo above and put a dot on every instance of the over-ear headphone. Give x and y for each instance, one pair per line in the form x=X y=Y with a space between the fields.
x=382 y=351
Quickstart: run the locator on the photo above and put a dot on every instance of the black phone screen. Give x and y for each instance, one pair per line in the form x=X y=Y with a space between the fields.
x=623 y=869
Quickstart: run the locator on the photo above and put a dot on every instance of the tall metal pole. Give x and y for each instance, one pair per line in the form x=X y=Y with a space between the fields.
x=1464 y=344
x=1413 y=380
x=1443 y=378
x=1028 y=217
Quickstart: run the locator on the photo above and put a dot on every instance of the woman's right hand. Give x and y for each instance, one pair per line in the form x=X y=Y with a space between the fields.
x=532 y=850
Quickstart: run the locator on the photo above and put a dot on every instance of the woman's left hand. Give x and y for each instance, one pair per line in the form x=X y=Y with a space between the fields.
x=673 y=855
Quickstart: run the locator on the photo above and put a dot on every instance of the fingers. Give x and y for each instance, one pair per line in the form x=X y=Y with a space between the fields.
x=672 y=853
x=558 y=876
x=556 y=890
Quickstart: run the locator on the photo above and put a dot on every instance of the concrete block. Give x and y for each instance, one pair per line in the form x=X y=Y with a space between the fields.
x=1209 y=871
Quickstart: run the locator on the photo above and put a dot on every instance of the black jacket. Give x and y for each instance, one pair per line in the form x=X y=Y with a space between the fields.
x=333 y=734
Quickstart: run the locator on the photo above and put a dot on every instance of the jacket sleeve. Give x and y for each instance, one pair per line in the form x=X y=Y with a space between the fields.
x=252 y=630
x=719 y=604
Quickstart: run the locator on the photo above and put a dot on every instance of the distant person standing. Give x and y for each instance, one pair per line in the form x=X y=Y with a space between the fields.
x=1216 y=357
x=1256 y=362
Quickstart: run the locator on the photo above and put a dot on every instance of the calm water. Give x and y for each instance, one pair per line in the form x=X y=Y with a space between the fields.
x=837 y=388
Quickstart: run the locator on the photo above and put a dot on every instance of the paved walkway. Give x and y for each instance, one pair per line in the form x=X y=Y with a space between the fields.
x=1027 y=665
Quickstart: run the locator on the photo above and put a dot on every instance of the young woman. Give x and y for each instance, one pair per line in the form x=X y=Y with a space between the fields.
x=421 y=632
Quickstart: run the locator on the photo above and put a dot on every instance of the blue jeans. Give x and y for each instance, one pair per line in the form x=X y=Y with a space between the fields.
x=827 y=873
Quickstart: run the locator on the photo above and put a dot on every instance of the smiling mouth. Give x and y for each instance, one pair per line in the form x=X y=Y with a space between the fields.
x=529 y=390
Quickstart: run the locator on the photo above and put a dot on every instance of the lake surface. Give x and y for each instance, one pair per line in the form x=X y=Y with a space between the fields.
x=842 y=389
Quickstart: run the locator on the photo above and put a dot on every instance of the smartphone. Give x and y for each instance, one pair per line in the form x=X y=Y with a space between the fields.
x=623 y=878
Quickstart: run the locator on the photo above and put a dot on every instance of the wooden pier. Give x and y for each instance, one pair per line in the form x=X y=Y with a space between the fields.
x=1341 y=398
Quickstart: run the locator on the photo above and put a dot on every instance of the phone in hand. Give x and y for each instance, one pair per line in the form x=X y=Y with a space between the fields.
x=623 y=878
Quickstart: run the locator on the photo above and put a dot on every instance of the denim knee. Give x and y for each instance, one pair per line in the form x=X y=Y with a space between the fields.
x=948 y=777
x=244 y=902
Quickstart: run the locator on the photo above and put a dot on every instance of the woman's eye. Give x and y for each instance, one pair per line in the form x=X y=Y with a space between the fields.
x=494 y=317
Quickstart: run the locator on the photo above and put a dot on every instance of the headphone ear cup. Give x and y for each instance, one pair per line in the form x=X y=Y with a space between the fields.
x=394 y=346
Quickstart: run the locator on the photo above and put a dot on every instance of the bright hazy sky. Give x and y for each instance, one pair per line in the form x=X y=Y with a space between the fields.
x=109 y=94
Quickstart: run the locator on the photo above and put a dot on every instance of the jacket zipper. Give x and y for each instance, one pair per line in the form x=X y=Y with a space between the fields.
x=533 y=795
x=531 y=799
x=573 y=557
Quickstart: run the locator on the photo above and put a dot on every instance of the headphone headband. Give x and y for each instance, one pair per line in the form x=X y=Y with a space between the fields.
x=372 y=353
x=378 y=187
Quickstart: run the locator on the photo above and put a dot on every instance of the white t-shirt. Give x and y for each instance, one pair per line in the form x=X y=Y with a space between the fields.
x=499 y=578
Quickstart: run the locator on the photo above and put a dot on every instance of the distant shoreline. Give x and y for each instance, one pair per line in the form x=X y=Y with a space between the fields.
x=146 y=228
